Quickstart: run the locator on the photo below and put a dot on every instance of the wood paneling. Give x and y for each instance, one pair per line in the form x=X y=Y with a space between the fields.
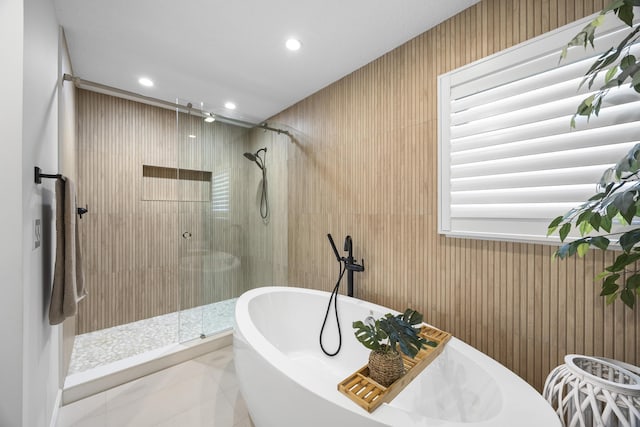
x=364 y=163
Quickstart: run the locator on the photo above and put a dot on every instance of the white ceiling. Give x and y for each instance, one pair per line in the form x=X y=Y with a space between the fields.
x=214 y=51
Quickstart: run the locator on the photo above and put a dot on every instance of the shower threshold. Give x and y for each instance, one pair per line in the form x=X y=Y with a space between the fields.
x=110 y=357
x=93 y=381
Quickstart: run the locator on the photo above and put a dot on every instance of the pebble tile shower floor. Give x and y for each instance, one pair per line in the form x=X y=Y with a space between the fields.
x=112 y=344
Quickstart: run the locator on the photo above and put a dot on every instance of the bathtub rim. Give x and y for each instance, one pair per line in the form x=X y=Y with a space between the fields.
x=518 y=388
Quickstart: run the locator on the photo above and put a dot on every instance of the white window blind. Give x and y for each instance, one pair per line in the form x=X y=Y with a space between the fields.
x=220 y=192
x=509 y=161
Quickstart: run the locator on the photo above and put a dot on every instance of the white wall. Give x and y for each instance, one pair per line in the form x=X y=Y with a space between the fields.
x=29 y=126
x=39 y=148
x=11 y=283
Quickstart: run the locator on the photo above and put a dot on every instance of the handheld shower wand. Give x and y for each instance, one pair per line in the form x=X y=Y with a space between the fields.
x=264 y=201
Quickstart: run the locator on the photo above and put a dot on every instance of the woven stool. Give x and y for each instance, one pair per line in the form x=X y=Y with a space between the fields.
x=588 y=391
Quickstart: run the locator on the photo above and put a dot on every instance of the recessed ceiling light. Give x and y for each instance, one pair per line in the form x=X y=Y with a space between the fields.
x=144 y=81
x=293 y=44
x=229 y=105
x=192 y=136
x=209 y=118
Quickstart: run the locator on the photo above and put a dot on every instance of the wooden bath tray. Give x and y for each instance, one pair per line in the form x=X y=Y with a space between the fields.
x=369 y=394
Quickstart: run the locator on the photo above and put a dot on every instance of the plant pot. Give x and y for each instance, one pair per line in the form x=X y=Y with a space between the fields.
x=385 y=367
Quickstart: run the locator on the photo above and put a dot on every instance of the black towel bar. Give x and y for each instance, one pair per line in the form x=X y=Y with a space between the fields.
x=38 y=175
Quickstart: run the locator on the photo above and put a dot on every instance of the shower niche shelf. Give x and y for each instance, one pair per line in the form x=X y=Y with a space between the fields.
x=160 y=183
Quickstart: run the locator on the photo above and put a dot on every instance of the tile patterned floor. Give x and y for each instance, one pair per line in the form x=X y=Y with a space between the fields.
x=109 y=345
x=200 y=392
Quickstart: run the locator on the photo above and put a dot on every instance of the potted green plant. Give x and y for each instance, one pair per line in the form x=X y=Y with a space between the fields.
x=384 y=336
x=618 y=196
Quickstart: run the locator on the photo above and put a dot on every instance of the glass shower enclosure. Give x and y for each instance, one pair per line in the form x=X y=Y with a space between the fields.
x=175 y=234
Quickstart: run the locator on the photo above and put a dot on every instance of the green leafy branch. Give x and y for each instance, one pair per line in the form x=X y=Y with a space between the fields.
x=617 y=201
x=620 y=65
x=389 y=332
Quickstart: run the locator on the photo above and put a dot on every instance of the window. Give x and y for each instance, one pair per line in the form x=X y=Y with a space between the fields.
x=509 y=161
x=220 y=195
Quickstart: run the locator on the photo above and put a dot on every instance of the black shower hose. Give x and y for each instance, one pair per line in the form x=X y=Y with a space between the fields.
x=264 y=201
x=334 y=296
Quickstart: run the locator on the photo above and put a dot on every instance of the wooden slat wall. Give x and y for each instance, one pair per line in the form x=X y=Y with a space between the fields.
x=267 y=254
x=126 y=281
x=364 y=164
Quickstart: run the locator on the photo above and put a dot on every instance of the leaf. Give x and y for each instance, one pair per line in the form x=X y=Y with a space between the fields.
x=564 y=231
x=605 y=223
x=628 y=298
x=585 y=228
x=369 y=336
x=562 y=252
x=629 y=214
x=627 y=61
x=633 y=282
x=611 y=74
x=611 y=298
x=412 y=317
x=609 y=289
x=611 y=280
x=619 y=263
x=626 y=205
x=630 y=71
x=636 y=80
x=621 y=219
x=625 y=13
x=629 y=239
x=583 y=249
x=600 y=242
x=554 y=224
x=596 y=109
x=584 y=216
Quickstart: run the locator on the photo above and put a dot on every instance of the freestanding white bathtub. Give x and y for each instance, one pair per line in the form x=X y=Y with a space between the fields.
x=287 y=381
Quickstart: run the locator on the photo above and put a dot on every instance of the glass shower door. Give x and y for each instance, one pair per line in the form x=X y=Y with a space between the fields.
x=195 y=240
x=225 y=146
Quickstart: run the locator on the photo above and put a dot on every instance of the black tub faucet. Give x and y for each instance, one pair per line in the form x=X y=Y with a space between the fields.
x=350 y=263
